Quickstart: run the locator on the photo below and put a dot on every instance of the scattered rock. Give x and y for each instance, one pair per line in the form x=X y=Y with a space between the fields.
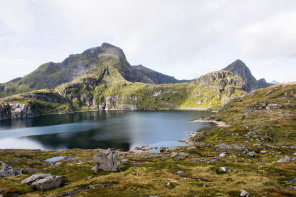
x=263 y=151
x=286 y=159
x=174 y=154
x=145 y=148
x=251 y=154
x=7 y=170
x=224 y=170
x=231 y=148
x=106 y=160
x=244 y=193
x=222 y=154
x=179 y=156
x=124 y=162
x=168 y=149
x=293 y=181
x=192 y=148
x=180 y=173
x=44 y=181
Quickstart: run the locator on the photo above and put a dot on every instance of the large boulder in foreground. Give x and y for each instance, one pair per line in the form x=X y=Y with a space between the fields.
x=6 y=170
x=106 y=160
x=44 y=181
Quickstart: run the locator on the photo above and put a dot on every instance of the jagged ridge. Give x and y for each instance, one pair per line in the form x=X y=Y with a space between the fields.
x=240 y=69
x=51 y=75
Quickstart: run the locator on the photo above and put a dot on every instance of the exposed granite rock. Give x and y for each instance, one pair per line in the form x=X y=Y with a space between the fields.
x=44 y=181
x=106 y=160
x=286 y=159
x=145 y=148
x=231 y=148
x=17 y=110
x=7 y=170
x=244 y=194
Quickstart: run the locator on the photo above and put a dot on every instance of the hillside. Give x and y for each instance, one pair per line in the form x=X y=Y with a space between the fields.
x=254 y=155
x=105 y=88
x=50 y=75
x=241 y=70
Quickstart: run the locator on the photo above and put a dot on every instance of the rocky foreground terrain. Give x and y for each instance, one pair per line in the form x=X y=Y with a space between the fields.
x=253 y=154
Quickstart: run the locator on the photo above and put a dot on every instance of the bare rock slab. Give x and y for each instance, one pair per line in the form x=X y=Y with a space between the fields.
x=44 y=181
x=106 y=160
x=6 y=170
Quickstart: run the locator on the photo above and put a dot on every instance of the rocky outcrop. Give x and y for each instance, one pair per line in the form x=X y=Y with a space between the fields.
x=238 y=68
x=106 y=160
x=44 y=181
x=286 y=159
x=7 y=170
x=221 y=81
x=16 y=110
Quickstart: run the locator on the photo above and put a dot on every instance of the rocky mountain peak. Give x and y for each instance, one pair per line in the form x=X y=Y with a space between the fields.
x=106 y=49
x=112 y=50
x=239 y=68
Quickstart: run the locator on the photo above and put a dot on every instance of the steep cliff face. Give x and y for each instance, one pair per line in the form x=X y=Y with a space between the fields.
x=33 y=103
x=241 y=70
x=51 y=75
x=16 y=110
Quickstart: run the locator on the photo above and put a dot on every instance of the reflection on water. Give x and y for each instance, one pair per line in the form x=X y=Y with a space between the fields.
x=102 y=129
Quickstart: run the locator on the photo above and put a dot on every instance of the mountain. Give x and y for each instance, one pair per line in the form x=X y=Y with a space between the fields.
x=106 y=89
x=240 y=69
x=275 y=82
x=51 y=75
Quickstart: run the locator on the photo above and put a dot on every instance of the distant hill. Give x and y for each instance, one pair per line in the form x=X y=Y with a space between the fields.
x=51 y=75
x=240 y=69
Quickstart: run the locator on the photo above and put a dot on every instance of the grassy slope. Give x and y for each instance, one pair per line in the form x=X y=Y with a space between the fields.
x=147 y=174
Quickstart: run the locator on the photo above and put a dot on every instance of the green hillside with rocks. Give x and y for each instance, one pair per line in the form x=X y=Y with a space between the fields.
x=105 y=88
x=252 y=154
x=50 y=75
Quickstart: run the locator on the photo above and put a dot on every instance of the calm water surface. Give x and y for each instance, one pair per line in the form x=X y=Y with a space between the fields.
x=101 y=129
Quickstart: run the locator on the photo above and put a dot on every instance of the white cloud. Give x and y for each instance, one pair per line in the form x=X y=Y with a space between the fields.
x=164 y=35
x=16 y=17
x=275 y=37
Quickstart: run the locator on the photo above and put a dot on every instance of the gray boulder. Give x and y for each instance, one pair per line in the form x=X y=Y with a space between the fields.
x=286 y=159
x=44 y=181
x=106 y=160
x=244 y=193
x=7 y=170
x=231 y=148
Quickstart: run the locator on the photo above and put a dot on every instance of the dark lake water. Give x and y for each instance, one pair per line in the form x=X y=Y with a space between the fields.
x=101 y=129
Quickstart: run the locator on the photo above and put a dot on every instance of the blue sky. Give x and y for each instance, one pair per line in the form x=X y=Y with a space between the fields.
x=185 y=39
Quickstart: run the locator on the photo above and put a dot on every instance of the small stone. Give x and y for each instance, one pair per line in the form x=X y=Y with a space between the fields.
x=192 y=148
x=244 y=193
x=57 y=164
x=180 y=173
x=168 y=184
x=124 y=162
x=263 y=151
x=286 y=159
x=174 y=154
x=252 y=154
x=222 y=154
x=224 y=170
